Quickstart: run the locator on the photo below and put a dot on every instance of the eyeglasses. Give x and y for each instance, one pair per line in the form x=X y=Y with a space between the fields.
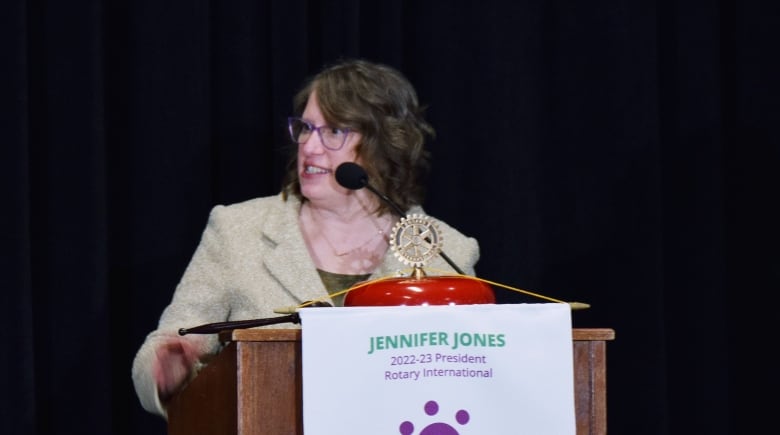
x=332 y=138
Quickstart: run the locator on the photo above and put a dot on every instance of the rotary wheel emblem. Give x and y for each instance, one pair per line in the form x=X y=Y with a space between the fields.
x=415 y=239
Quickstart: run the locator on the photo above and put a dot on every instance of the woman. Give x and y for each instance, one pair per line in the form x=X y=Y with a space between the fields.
x=315 y=237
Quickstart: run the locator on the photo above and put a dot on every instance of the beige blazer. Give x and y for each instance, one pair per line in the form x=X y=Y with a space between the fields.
x=251 y=260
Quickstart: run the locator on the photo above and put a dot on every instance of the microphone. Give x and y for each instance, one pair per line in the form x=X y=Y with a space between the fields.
x=354 y=177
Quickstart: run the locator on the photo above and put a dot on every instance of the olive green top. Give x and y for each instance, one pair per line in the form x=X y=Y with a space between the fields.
x=335 y=282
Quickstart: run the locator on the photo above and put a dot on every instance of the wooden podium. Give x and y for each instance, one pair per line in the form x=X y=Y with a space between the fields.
x=254 y=386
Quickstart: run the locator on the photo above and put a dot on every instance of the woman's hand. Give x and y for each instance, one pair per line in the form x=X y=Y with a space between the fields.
x=175 y=360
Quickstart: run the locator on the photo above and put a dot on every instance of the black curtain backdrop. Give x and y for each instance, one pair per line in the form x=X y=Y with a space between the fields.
x=619 y=153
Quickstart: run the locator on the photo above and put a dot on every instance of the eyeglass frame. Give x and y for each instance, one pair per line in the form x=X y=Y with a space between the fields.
x=312 y=127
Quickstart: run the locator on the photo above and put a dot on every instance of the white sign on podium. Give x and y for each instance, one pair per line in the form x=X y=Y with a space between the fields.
x=438 y=370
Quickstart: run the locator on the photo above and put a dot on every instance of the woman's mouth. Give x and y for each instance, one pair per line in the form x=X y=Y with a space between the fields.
x=314 y=170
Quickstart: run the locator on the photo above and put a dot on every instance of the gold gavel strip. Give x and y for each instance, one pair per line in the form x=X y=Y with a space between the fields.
x=572 y=305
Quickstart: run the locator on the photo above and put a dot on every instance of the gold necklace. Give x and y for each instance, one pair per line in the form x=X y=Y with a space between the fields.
x=379 y=232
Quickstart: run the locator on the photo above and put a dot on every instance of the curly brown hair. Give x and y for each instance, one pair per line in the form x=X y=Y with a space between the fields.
x=378 y=102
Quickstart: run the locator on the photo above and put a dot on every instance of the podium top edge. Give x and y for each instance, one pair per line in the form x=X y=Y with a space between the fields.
x=261 y=334
x=593 y=334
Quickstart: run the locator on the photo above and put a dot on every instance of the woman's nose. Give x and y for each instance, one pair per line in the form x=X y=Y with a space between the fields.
x=313 y=144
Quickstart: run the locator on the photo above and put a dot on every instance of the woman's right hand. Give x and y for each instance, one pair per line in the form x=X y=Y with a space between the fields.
x=174 y=363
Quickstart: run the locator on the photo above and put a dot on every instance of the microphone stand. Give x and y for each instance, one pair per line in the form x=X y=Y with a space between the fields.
x=217 y=327
x=214 y=328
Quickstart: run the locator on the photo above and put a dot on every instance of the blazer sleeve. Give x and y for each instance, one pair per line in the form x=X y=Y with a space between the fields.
x=202 y=296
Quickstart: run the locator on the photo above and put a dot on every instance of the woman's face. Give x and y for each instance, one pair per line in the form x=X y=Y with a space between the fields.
x=317 y=164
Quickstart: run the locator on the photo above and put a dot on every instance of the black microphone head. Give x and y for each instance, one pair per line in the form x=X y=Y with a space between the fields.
x=351 y=175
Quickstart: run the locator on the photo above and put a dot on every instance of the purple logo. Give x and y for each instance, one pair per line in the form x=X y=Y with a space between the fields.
x=438 y=428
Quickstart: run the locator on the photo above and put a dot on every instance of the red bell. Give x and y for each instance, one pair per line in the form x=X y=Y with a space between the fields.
x=420 y=289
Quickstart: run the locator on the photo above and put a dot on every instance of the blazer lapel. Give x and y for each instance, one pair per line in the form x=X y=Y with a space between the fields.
x=288 y=261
